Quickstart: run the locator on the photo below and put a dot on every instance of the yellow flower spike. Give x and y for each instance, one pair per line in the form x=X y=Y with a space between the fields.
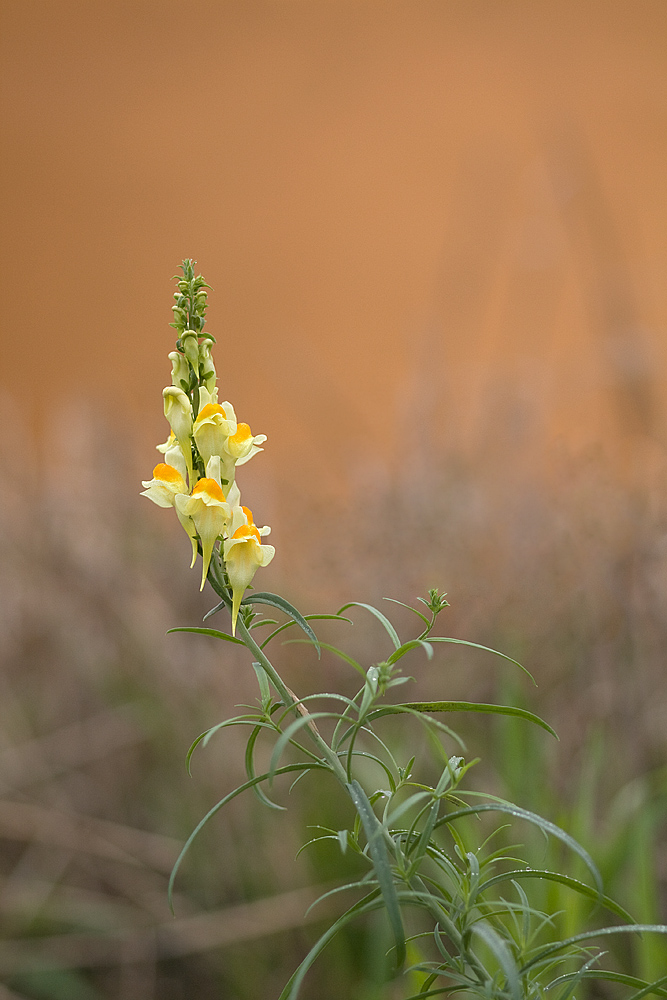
x=178 y=411
x=244 y=554
x=212 y=427
x=210 y=513
x=168 y=483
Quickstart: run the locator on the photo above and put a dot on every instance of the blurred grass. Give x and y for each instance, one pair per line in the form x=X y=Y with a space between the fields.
x=99 y=706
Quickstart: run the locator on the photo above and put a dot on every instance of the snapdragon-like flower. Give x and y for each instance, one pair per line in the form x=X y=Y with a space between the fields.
x=238 y=448
x=213 y=426
x=198 y=475
x=210 y=513
x=244 y=554
x=167 y=484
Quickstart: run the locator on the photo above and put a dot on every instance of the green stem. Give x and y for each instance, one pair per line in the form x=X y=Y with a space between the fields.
x=289 y=700
x=438 y=913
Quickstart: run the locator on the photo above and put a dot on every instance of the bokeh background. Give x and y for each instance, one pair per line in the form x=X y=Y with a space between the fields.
x=435 y=231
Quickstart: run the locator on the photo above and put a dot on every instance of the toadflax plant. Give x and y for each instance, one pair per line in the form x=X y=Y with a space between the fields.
x=457 y=906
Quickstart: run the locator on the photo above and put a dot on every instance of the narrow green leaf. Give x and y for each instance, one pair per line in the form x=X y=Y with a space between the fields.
x=366 y=905
x=423 y=717
x=286 y=737
x=238 y=720
x=250 y=770
x=576 y=980
x=275 y=601
x=263 y=681
x=224 y=603
x=543 y=824
x=410 y=608
x=288 y=768
x=309 y=618
x=487 y=649
x=380 y=858
x=592 y=935
x=407 y=646
x=389 y=628
x=472 y=706
x=208 y=631
x=618 y=977
x=651 y=988
x=500 y=949
x=572 y=883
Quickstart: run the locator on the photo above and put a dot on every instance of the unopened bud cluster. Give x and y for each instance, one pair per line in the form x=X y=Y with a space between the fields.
x=206 y=444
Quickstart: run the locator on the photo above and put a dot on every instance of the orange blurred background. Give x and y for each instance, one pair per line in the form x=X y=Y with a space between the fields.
x=426 y=223
x=435 y=230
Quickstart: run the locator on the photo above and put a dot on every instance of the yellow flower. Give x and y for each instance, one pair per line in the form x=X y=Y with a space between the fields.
x=244 y=554
x=167 y=484
x=210 y=513
x=238 y=449
x=212 y=427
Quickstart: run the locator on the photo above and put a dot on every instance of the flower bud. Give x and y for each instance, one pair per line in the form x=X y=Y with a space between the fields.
x=191 y=348
x=180 y=371
x=206 y=366
x=178 y=411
